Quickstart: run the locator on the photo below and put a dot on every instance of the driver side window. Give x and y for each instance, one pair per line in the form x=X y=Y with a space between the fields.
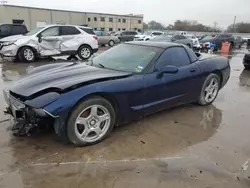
x=175 y=56
x=50 y=32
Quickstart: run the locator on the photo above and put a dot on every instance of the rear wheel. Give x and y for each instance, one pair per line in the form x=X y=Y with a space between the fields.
x=209 y=90
x=26 y=54
x=91 y=121
x=111 y=43
x=85 y=52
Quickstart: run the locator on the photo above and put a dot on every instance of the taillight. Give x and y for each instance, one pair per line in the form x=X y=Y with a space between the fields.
x=95 y=37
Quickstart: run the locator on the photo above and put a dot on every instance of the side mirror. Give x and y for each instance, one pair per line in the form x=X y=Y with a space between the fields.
x=170 y=69
x=39 y=38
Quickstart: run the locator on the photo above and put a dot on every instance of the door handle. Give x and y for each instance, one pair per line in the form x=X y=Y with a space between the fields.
x=193 y=70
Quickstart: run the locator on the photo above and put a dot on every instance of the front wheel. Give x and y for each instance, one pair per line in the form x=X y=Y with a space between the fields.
x=27 y=54
x=210 y=90
x=84 y=52
x=91 y=121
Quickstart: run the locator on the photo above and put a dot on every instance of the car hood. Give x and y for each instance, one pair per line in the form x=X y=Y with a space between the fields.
x=60 y=76
x=13 y=38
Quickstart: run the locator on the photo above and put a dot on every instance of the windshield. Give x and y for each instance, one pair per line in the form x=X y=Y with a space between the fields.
x=125 y=57
x=34 y=31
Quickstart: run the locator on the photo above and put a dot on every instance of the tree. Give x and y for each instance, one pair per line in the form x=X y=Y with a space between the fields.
x=239 y=27
x=145 y=26
x=155 y=25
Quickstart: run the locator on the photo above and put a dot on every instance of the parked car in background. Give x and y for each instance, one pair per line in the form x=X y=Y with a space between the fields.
x=126 y=35
x=148 y=35
x=106 y=38
x=12 y=29
x=217 y=40
x=195 y=40
x=49 y=41
x=123 y=84
x=246 y=61
x=238 y=41
x=175 y=38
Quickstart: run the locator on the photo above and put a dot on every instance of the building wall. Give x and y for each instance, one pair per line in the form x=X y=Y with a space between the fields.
x=33 y=17
x=39 y=16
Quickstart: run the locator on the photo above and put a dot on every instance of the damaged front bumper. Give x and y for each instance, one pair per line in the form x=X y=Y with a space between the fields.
x=8 y=50
x=26 y=120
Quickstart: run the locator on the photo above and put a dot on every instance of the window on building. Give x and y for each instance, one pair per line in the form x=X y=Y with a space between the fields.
x=110 y=19
x=119 y=29
x=15 y=21
x=123 y=20
x=69 y=30
x=124 y=29
x=139 y=21
x=89 y=19
x=52 y=31
x=102 y=19
x=139 y=30
x=95 y=19
x=88 y=30
x=110 y=29
x=119 y=19
x=102 y=29
x=135 y=29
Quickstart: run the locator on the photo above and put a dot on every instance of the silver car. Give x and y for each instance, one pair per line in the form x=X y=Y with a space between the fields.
x=106 y=38
x=175 y=38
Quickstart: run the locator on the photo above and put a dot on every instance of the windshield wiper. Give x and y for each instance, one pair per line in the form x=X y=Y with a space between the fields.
x=101 y=65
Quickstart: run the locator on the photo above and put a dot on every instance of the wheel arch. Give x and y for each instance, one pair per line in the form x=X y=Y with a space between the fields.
x=106 y=96
x=32 y=47
x=85 y=45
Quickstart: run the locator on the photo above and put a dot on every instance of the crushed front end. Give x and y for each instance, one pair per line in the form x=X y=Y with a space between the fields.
x=26 y=120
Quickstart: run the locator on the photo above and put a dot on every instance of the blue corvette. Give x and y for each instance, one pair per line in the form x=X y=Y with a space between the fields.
x=85 y=101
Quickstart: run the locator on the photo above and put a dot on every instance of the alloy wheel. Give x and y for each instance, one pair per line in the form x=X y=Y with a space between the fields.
x=92 y=123
x=85 y=52
x=28 y=54
x=211 y=90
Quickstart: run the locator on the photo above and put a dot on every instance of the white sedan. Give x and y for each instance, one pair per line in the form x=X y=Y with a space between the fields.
x=148 y=35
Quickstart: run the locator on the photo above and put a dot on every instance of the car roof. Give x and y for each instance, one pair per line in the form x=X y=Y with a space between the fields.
x=154 y=44
x=51 y=25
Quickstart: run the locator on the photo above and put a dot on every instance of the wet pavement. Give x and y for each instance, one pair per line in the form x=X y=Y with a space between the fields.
x=187 y=146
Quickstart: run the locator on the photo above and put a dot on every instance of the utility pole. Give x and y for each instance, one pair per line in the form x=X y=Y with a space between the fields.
x=234 y=24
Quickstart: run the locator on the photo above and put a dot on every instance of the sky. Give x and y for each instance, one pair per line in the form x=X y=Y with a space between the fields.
x=165 y=11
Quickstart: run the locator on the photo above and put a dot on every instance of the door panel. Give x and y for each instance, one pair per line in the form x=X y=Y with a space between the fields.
x=172 y=89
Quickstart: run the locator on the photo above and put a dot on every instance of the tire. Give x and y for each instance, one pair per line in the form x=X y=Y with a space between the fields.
x=87 y=133
x=85 y=52
x=211 y=85
x=111 y=43
x=27 y=54
x=247 y=66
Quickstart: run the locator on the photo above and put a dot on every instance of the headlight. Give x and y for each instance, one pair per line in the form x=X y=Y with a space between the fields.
x=8 y=43
x=6 y=95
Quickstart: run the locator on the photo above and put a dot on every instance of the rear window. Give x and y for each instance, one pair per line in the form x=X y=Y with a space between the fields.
x=69 y=30
x=5 y=29
x=88 y=30
x=18 y=29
